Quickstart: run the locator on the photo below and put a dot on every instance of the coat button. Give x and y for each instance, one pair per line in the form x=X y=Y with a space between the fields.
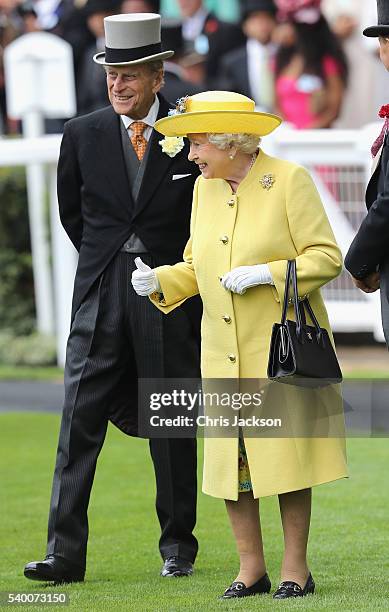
x=226 y=319
x=232 y=357
x=224 y=239
x=231 y=203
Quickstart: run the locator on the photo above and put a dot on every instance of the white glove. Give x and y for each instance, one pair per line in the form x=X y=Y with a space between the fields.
x=244 y=277
x=144 y=279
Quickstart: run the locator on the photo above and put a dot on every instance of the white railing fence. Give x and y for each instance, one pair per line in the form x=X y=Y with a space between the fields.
x=339 y=161
x=42 y=153
x=340 y=164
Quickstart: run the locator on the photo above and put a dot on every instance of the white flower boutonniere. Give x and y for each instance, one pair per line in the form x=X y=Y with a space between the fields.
x=171 y=145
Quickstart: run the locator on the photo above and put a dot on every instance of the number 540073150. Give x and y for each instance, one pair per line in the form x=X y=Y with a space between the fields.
x=31 y=598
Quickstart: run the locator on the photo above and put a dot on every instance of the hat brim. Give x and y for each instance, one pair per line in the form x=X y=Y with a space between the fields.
x=218 y=122
x=375 y=31
x=99 y=58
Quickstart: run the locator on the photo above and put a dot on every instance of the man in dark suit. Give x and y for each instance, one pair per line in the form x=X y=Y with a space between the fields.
x=209 y=35
x=176 y=85
x=368 y=256
x=248 y=70
x=121 y=196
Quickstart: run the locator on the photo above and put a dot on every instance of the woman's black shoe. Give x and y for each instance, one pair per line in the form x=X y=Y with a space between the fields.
x=239 y=589
x=292 y=589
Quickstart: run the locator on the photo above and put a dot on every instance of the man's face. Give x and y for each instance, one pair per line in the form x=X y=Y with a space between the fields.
x=132 y=89
x=384 y=51
x=189 y=7
x=136 y=6
x=259 y=25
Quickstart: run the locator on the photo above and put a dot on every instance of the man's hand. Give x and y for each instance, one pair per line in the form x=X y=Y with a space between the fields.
x=143 y=279
x=369 y=284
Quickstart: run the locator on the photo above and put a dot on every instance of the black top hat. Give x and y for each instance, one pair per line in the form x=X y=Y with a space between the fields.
x=382 y=29
x=252 y=6
x=171 y=36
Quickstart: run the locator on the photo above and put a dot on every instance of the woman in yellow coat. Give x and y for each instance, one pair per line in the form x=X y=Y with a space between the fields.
x=251 y=213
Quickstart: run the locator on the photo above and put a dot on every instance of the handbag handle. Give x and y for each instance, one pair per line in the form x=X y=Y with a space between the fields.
x=291 y=276
x=286 y=293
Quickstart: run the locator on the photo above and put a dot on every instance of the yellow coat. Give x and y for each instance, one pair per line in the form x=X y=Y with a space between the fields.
x=253 y=226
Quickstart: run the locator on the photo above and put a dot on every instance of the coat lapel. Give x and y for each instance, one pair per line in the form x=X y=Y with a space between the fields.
x=109 y=152
x=157 y=164
x=371 y=189
x=377 y=160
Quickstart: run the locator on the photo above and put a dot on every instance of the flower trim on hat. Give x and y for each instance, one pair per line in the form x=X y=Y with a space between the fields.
x=181 y=104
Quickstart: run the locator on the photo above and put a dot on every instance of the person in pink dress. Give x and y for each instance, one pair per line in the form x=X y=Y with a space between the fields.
x=310 y=66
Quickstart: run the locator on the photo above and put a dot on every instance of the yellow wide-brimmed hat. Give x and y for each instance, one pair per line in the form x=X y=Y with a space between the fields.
x=218 y=112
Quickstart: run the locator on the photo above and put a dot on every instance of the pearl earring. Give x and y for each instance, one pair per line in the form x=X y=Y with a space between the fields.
x=231 y=157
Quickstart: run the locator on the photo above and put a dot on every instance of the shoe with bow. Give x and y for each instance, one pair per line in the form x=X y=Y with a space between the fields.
x=239 y=589
x=288 y=588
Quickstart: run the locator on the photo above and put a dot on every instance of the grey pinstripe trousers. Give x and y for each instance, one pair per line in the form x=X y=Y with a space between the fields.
x=117 y=336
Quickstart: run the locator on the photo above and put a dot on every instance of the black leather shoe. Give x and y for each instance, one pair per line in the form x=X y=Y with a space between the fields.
x=292 y=589
x=239 y=589
x=54 y=569
x=176 y=567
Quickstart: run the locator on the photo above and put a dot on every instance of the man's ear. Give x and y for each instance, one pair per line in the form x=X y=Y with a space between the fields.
x=159 y=81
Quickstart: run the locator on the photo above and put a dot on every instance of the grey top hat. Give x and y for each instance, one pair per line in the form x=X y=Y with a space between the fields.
x=382 y=29
x=132 y=39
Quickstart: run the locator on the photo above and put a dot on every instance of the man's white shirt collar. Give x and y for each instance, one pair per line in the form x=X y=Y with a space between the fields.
x=193 y=26
x=257 y=49
x=150 y=118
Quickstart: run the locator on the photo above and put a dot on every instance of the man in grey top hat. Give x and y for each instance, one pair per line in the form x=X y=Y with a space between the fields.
x=120 y=195
x=368 y=257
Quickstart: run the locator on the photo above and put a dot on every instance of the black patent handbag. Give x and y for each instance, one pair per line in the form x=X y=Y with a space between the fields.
x=301 y=353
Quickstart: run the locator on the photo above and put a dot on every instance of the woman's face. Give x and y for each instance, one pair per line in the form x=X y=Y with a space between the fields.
x=213 y=162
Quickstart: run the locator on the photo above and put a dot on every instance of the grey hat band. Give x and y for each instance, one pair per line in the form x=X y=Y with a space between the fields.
x=118 y=56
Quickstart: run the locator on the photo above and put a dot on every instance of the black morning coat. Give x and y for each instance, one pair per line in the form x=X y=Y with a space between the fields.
x=96 y=206
x=370 y=247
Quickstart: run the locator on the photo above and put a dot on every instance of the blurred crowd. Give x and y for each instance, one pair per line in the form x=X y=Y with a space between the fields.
x=303 y=59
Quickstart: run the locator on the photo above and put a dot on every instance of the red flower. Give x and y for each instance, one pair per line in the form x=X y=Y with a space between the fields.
x=384 y=111
x=211 y=26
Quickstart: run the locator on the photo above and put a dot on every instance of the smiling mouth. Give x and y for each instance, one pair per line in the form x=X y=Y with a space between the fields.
x=202 y=166
x=122 y=98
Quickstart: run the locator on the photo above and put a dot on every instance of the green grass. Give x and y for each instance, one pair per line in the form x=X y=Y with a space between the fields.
x=348 y=543
x=367 y=374
x=30 y=373
x=52 y=373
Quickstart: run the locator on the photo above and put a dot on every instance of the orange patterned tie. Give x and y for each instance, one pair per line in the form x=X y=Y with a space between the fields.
x=139 y=142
